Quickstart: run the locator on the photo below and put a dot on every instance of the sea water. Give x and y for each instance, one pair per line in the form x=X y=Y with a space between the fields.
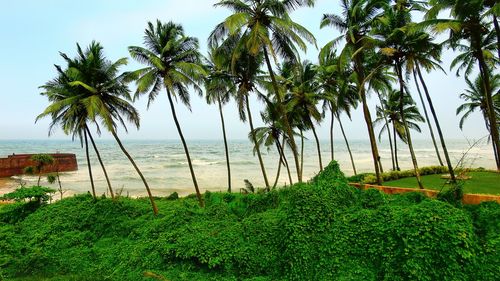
x=164 y=164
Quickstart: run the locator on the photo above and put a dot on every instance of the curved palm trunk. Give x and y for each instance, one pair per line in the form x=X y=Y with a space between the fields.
x=380 y=164
x=485 y=117
x=280 y=162
x=100 y=162
x=331 y=132
x=286 y=122
x=150 y=195
x=438 y=126
x=347 y=144
x=318 y=147
x=186 y=151
x=395 y=148
x=225 y=146
x=388 y=131
x=286 y=161
x=89 y=165
x=358 y=65
x=428 y=120
x=483 y=69
x=405 y=125
x=261 y=162
x=39 y=176
x=301 y=150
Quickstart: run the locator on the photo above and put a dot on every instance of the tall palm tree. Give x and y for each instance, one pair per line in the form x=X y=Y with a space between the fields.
x=96 y=93
x=390 y=109
x=271 y=134
x=355 y=24
x=394 y=47
x=338 y=92
x=266 y=29
x=246 y=77
x=173 y=62
x=470 y=34
x=219 y=87
x=66 y=110
x=302 y=95
x=475 y=99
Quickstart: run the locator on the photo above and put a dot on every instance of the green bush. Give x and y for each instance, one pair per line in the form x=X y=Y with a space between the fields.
x=323 y=230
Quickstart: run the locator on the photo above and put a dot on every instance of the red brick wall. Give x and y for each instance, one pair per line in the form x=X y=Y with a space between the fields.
x=15 y=164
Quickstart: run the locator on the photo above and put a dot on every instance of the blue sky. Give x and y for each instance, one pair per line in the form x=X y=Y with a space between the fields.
x=33 y=32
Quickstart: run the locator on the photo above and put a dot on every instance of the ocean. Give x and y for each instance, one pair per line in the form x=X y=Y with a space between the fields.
x=164 y=164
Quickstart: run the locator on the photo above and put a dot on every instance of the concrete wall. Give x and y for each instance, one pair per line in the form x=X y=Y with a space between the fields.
x=15 y=164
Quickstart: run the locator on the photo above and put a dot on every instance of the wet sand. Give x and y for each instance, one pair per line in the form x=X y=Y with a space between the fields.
x=7 y=185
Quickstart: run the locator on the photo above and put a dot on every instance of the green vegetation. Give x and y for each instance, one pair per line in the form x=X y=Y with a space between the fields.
x=479 y=183
x=324 y=230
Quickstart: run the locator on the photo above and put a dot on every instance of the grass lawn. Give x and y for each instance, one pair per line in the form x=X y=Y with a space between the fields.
x=480 y=183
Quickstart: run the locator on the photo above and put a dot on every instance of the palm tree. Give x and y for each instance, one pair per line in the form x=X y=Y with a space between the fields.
x=41 y=160
x=358 y=17
x=174 y=62
x=98 y=93
x=470 y=34
x=246 y=77
x=390 y=108
x=338 y=92
x=394 y=47
x=475 y=99
x=266 y=29
x=66 y=110
x=302 y=95
x=219 y=87
x=270 y=135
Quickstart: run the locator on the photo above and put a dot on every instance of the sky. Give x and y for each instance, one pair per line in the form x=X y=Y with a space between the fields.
x=33 y=33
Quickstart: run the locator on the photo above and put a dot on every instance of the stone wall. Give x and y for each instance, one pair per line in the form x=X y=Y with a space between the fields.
x=15 y=164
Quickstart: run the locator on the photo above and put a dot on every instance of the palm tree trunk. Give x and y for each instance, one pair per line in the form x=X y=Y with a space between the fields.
x=347 y=144
x=150 y=195
x=438 y=126
x=358 y=65
x=39 y=176
x=186 y=151
x=286 y=122
x=100 y=162
x=388 y=130
x=301 y=150
x=280 y=161
x=286 y=161
x=380 y=164
x=225 y=146
x=59 y=183
x=485 y=117
x=318 y=147
x=428 y=120
x=497 y=31
x=405 y=125
x=331 y=132
x=483 y=69
x=395 y=148
x=254 y=138
x=89 y=165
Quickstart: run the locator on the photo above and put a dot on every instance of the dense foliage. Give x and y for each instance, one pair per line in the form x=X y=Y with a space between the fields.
x=323 y=230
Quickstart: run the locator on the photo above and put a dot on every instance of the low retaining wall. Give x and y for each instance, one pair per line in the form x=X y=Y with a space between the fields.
x=15 y=164
x=469 y=199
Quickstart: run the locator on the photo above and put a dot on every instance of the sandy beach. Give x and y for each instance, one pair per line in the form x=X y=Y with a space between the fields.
x=7 y=185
